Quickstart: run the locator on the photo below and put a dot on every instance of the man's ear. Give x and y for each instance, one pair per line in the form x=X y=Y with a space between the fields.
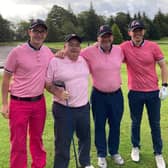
x=28 y=31
x=129 y=33
x=144 y=31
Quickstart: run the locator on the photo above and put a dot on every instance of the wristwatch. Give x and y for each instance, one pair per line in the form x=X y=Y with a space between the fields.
x=165 y=84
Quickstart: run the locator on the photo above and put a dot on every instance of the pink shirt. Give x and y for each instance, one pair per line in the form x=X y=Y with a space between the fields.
x=28 y=67
x=104 y=68
x=141 y=63
x=75 y=76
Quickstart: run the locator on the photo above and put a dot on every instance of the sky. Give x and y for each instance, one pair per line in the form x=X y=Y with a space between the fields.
x=16 y=10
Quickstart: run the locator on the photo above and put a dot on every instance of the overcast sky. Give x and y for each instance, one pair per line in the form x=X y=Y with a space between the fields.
x=26 y=9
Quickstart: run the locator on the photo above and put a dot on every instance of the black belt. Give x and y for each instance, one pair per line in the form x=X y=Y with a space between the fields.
x=30 y=99
x=107 y=93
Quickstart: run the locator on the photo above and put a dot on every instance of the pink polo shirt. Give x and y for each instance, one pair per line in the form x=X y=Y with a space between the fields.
x=75 y=76
x=104 y=68
x=141 y=65
x=28 y=67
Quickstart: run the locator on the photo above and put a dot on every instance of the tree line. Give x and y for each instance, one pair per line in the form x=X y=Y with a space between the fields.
x=62 y=21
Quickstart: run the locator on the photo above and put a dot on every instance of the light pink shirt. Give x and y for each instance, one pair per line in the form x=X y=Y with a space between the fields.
x=141 y=65
x=75 y=76
x=104 y=68
x=28 y=67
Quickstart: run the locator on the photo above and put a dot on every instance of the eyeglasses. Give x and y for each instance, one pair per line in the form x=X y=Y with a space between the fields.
x=38 y=31
x=73 y=45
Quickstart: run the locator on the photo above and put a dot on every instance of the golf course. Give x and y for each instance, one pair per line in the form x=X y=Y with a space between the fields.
x=147 y=157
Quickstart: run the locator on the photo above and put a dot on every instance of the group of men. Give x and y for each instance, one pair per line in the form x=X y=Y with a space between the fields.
x=33 y=67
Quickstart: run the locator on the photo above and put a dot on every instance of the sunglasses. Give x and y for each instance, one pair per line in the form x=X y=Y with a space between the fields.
x=36 y=31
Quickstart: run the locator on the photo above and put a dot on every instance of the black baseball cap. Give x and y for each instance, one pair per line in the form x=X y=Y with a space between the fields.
x=136 y=24
x=73 y=36
x=104 y=29
x=37 y=22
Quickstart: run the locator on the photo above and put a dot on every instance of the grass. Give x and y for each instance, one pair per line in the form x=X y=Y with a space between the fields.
x=147 y=158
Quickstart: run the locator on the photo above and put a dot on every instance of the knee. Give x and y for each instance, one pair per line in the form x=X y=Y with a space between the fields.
x=155 y=124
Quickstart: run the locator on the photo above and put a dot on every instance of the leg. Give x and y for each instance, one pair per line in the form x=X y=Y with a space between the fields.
x=19 y=114
x=115 y=114
x=63 y=131
x=99 y=115
x=153 y=109
x=82 y=116
x=36 y=127
x=136 y=103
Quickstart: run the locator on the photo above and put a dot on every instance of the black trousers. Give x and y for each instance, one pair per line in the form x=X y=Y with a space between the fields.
x=68 y=120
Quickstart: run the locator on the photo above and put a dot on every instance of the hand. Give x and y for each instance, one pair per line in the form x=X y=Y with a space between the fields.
x=163 y=94
x=5 y=111
x=96 y=44
x=64 y=95
x=60 y=54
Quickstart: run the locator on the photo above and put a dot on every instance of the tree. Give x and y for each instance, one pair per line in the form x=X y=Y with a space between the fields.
x=118 y=38
x=89 y=22
x=60 y=22
x=6 y=33
x=161 y=23
x=111 y=21
x=21 y=31
x=123 y=20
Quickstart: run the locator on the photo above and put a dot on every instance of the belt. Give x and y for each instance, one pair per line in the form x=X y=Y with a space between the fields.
x=107 y=93
x=30 y=99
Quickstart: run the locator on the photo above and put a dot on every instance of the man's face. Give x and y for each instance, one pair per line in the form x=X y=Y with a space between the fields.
x=137 y=35
x=72 y=49
x=105 y=41
x=37 y=35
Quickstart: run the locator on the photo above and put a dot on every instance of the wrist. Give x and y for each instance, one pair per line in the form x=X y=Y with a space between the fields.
x=165 y=84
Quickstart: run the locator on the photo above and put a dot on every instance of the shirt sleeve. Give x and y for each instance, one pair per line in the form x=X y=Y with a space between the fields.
x=86 y=54
x=11 y=62
x=158 y=55
x=51 y=70
x=123 y=54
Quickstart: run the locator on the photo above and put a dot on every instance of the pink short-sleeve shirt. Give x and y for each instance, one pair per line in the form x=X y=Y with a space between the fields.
x=28 y=67
x=104 y=68
x=75 y=76
x=141 y=65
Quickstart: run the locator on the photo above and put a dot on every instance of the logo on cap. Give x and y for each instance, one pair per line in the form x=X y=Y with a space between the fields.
x=104 y=29
x=136 y=24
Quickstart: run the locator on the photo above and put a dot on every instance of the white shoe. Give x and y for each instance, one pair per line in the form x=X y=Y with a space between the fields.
x=102 y=163
x=135 y=154
x=118 y=159
x=160 y=161
x=89 y=166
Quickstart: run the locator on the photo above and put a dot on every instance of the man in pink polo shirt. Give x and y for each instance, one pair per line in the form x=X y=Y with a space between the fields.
x=141 y=57
x=27 y=65
x=104 y=60
x=74 y=72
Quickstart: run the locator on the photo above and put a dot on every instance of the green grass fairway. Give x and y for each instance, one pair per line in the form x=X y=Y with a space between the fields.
x=147 y=157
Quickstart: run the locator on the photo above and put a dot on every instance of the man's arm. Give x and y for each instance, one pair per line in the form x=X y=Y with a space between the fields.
x=164 y=71
x=61 y=94
x=163 y=93
x=5 y=88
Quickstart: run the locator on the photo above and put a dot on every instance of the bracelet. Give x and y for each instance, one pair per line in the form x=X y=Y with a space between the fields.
x=165 y=84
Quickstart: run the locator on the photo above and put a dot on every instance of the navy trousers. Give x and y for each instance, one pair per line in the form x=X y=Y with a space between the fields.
x=66 y=121
x=107 y=107
x=137 y=101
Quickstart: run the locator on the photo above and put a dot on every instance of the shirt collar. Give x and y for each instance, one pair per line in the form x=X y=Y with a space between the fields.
x=142 y=44
x=31 y=46
x=102 y=50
